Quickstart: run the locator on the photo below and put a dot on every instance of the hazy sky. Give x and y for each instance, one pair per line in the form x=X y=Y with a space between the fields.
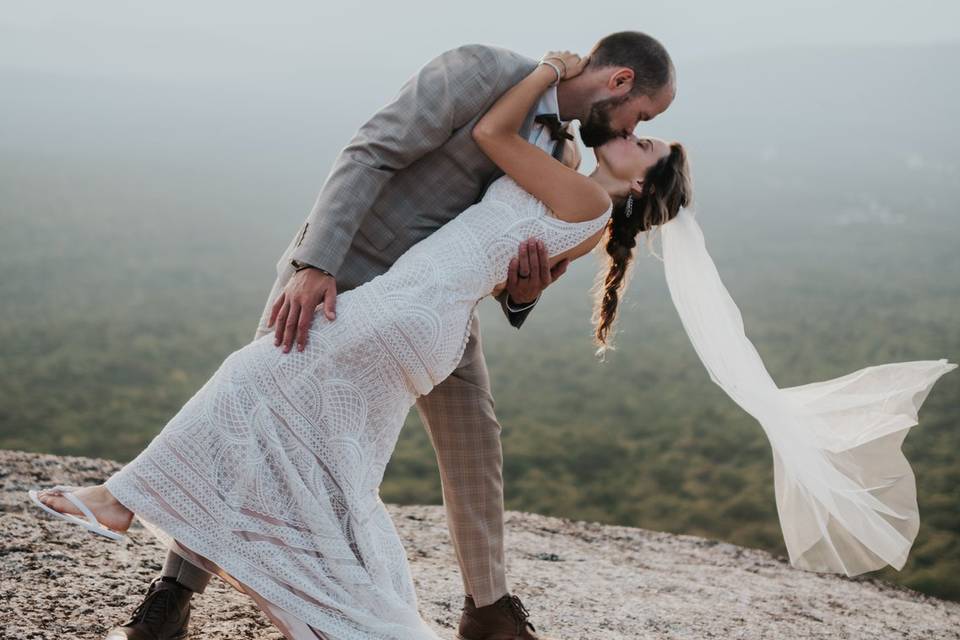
x=309 y=73
x=228 y=37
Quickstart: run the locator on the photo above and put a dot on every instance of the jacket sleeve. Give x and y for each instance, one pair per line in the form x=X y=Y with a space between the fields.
x=515 y=318
x=442 y=96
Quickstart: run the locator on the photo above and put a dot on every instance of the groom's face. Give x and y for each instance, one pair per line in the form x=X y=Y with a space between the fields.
x=618 y=116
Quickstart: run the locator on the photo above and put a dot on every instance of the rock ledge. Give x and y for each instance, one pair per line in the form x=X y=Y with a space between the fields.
x=578 y=579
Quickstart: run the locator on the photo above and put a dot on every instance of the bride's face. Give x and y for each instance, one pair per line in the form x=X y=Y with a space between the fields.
x=628 y=158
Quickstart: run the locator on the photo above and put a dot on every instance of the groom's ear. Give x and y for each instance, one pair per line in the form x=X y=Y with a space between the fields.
x=620 y=82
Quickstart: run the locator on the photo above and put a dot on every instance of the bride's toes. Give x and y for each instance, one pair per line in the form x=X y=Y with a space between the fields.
x=58 y=503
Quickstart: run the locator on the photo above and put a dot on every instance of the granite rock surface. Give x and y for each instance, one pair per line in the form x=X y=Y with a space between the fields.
x=579 y=580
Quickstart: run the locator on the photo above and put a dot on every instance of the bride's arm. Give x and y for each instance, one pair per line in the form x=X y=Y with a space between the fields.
x=570 y=195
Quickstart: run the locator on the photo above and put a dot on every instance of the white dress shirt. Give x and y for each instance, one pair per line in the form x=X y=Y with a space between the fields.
x=540 y=134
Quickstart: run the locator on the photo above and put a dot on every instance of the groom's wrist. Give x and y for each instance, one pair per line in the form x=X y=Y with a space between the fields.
x=299 y=265
x=523 y=305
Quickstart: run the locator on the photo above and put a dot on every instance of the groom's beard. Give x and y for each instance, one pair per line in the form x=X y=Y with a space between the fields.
x=595 y=130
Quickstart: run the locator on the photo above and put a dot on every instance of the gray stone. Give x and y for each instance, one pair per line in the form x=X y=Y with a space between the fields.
x=579 y=580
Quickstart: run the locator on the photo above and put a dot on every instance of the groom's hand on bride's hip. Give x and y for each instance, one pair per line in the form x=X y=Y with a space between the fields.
x=294 y=308
x=530 y=273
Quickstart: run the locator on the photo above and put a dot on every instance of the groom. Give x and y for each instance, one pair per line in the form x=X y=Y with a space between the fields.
x=410 y=168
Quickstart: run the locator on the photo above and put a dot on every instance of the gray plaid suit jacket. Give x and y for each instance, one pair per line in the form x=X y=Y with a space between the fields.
x=411 y=168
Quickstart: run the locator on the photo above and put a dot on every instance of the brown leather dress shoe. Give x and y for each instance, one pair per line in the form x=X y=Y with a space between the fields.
x=505 y=619
x=163 y=615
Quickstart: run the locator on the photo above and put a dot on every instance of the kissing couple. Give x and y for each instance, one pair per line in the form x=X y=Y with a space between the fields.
x=464 y=186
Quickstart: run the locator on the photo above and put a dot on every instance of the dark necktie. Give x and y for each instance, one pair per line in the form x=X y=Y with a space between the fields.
x=552 y=122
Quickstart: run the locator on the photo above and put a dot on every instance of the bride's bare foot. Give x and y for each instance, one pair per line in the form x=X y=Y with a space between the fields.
x=107 y=509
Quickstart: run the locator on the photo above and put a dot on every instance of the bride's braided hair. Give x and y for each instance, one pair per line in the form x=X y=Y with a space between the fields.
x=666 y=188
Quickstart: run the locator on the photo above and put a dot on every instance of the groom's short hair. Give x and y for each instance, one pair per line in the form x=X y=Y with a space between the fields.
x=651 y=64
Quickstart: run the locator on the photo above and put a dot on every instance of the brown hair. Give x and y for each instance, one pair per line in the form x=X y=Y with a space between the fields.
x=666 y=188
x=652 y=67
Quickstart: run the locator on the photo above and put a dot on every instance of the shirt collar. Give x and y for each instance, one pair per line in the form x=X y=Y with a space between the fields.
x=549 y=103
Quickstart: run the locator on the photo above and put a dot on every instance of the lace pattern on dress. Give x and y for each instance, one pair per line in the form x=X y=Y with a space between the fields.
x=272 y=469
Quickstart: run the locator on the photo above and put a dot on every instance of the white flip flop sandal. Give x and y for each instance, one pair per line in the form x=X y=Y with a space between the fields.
x=91 y=523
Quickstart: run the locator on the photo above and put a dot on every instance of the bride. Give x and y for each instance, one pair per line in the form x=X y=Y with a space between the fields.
x=269 y=475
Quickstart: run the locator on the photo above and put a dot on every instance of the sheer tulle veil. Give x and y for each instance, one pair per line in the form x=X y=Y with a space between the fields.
x=846 y=495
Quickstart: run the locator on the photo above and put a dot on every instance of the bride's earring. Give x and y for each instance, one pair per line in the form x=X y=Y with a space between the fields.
x=629 y=209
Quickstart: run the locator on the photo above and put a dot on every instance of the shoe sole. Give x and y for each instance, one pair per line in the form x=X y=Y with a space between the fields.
x=181 y=636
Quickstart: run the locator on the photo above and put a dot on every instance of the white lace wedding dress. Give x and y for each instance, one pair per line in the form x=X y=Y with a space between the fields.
x=272 y=469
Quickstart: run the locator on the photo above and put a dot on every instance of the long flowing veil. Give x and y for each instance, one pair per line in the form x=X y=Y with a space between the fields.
x=846 y=495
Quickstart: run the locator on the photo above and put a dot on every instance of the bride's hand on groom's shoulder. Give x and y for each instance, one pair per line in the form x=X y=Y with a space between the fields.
x=571 y=64
x=294 y=308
